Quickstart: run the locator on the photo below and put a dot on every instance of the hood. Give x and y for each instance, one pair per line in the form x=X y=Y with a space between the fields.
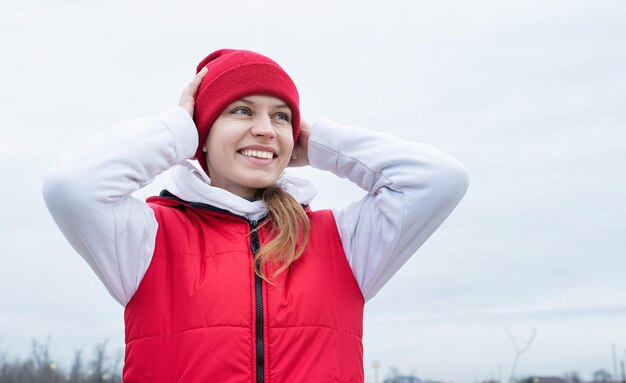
x=190 y=183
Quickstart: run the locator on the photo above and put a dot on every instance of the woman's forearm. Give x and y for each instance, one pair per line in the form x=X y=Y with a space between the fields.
x=411 y=189
x=88 y=193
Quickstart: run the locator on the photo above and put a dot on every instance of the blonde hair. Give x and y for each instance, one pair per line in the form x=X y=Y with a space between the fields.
x=289 y=231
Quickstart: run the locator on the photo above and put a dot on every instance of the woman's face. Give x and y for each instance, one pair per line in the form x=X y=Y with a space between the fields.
x=249 y=145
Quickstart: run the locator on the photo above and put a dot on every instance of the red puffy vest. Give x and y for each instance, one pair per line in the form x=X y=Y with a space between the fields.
x=201 y=314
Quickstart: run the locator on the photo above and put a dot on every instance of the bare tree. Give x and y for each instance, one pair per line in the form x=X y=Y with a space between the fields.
x=101 y=369
x=519 y=350
x=98 y=363
x=573 y=377
x=40 y=367
x=601 y=376
x=116 y=367
x=394 y=371
x=44 y=368
x=40 y=353
x=77 y=366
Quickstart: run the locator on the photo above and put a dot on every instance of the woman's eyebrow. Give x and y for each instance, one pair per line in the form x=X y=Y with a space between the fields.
x=246 y=101
x=249 y=102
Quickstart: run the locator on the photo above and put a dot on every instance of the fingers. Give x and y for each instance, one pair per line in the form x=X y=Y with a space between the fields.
x=305 y=128
x=192 y=88
x=187 y=98
x=300 y=149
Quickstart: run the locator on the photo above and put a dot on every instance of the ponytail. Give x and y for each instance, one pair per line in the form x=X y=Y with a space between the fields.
x=289 y=231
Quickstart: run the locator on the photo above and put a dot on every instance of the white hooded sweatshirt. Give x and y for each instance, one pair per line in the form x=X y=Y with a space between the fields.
x=410 y=190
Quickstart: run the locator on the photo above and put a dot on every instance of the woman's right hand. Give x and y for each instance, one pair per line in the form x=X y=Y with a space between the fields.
x=300 y=154
x=188 y=97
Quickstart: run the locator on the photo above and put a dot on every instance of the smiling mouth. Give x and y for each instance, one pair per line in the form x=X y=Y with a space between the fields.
x=257 y=154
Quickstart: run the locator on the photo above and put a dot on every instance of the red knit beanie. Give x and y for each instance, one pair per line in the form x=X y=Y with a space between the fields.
x=232 y=75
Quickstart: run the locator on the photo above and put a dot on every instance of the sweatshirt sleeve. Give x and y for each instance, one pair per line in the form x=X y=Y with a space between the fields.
x=411 y=189
x=88 y=193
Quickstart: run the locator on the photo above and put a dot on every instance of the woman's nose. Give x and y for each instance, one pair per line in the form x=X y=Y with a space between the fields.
x=262 y=126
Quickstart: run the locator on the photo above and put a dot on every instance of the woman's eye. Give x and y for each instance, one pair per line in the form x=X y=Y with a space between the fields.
x=283 y=116
x=241 y=110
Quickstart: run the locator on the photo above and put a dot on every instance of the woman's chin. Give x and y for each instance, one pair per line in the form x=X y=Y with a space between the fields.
x=261 y=180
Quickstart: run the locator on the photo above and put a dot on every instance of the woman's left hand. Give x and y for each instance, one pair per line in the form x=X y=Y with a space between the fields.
x=300 y=156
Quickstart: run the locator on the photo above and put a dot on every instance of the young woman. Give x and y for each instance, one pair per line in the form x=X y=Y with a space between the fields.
x=228 y=275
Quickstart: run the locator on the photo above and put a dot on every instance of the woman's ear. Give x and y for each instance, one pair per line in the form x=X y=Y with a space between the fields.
x=204 y=148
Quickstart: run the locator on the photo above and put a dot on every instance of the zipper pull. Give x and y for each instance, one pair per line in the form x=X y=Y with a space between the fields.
x=254 y=237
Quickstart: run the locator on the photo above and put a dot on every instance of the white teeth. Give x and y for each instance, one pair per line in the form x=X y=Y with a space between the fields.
x=258 y=154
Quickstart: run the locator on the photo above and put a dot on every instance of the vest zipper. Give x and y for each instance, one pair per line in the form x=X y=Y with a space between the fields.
x=255 y=245
x=258 y=293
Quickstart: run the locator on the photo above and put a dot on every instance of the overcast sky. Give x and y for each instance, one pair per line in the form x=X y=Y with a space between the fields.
x=529 y=95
